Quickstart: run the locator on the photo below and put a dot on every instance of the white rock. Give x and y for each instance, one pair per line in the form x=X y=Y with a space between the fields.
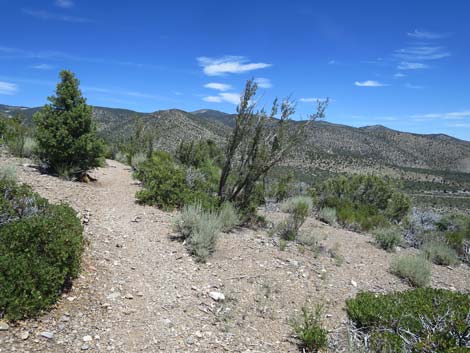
x=217 y=296
x=4 y=326
x=47 y=334
x=87 y=338
x=24 y=335
x=353 y=283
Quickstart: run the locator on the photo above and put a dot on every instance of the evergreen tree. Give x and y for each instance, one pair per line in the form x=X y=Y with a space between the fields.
x=66 y=132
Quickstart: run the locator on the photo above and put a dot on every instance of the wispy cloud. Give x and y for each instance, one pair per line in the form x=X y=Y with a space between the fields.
x=50 y=16
x=65 y=4
x=445 y=116
x=263 y=82
x=42 y=67
x=405 y=65
x=312 y=100
x=233 y=98
x=420 y=34
x=228 y=65
x=8 y=88
x=412 y=86
x=399 y=75
x=421 y=52
x=369 y=83
x=464 y=125
x=123 y=92
x=218 y=86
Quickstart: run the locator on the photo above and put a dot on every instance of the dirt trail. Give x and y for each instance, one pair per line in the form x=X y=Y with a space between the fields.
x=140 y=291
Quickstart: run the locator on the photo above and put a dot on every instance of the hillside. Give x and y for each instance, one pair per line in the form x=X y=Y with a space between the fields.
x=329 y=146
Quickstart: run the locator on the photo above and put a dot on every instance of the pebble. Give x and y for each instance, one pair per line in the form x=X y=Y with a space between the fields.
x=4 y=326
x=85 y=347
x=47 y=334
x=217 y=296
x=129 y=296
x=87 y=338
x=353 y=283
x=190 y=340
x=24 y=335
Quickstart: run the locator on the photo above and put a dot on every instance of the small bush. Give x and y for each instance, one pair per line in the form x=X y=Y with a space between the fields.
x=418 y=320
x=388 y=238
x=327 y=215
x=440 y=253
x=29 y=147
x=310 y=331
x=187 y=220
x=203 y=238
x=294 y=203
x=299 y=209
x=40 y=250
x=137 y=159
x=415 y=269
x=228 y=217
x=7 y=172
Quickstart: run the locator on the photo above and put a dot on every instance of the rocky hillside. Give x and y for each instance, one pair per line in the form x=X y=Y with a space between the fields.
x=329 y=146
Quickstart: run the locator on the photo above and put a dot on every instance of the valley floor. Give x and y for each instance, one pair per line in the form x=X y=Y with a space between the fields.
x=140 y=291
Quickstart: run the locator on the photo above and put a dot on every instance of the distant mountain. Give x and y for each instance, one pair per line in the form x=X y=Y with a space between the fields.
x=330 y=147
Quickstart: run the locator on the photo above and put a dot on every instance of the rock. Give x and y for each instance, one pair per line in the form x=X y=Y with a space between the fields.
x=129 y=296
x=168 y=322
x=4 y=326
x=85 y=347
x=353 y=283
x=47 y=334
x=87 y=338
x=24 y=335
x=217 y=296
x=198 y=334
x=190 y=340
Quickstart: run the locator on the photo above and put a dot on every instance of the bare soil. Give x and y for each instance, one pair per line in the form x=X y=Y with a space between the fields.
x=140 y=291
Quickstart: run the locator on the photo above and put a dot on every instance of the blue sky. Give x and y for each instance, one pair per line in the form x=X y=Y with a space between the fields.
x=402 y=64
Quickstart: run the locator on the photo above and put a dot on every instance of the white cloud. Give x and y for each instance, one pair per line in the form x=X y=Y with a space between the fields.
x=66 y=4
x=421 y=52
x=263 y=82
x=404 y=65
x=228 y=65
x=8 y=88
x=311 y=100
x=218 y=86
x=465 y=125
x=419 y=34
x=399 y=74
x=369 y=83
x=446 y=116
x=233 y=98
x=332 y=62
x=42 y=67
x=46 y=16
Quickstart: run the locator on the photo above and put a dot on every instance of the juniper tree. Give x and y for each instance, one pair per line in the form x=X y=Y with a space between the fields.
x=66 y=131
x=258 y=143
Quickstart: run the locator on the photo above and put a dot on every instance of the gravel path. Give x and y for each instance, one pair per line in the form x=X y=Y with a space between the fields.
x=139 y=291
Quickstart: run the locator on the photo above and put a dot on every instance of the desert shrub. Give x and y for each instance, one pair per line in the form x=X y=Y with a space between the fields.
x=40 y=250
x=298 y=208
x=29 y=147
x=364 y=201
x=228 y=217
x=415 y=269
x=137 y=159
x=7 y=172
x=418 y=320
x=163 y=182
x=186 y=221
x=16 y=136
x=283 y=186
x=197 y=153
x=66 y=132
x=203 y=238
x=440 y=253
x=309 y=329
x=388 y=238
x=327 y=215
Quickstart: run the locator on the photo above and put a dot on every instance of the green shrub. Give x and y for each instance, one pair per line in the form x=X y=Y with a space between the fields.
x=186 y=221
x=418 y=320
x=163 y=182
x=40 y=250
x=137 y=159
x=298 y=208
x=388 y=238
x=29 y=147
x=203 y=238
x=197 y=153
x=7 y=172
x=415 y=269
x=364 y=201
x=228 y=217
x=327 y=215
x=310 y=331
x=440 y=253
